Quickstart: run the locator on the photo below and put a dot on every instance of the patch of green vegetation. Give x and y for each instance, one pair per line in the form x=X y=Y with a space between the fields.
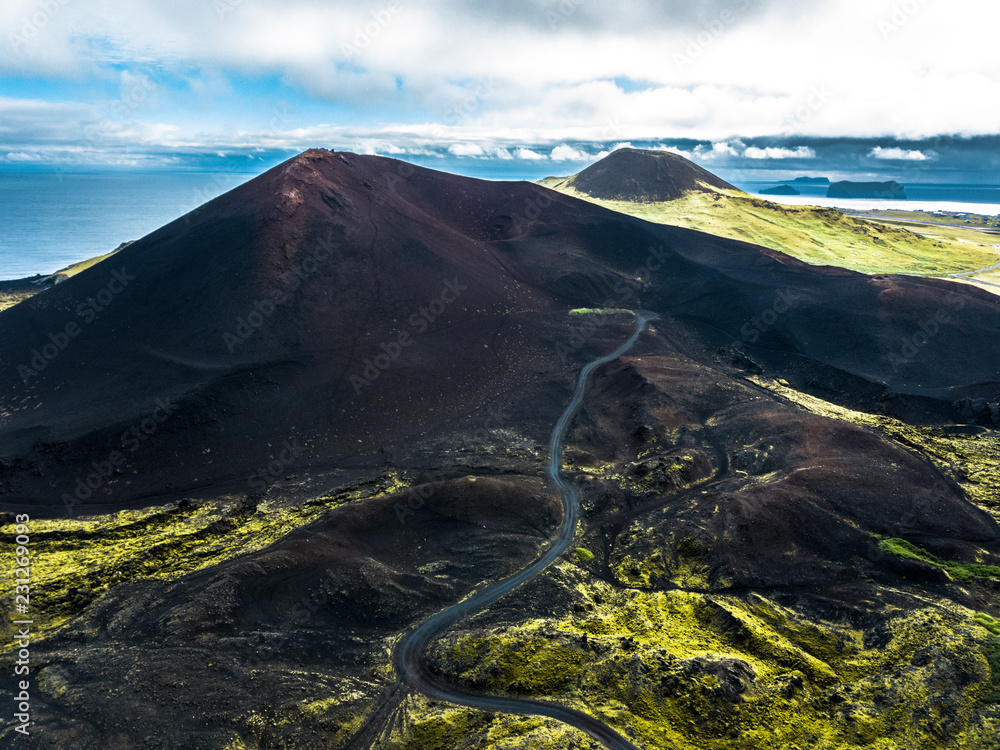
x=296 y=726
x=441 y=729
x=542 y=665
x=992 y=653
x=991 y=650
x=707 y=672
x=642 y=573
x=821 y=236
x=600 y=311
x=74 y=561
x=436 y=726
x=962 y=572
x=9 y=297
x=76 y=268
x=987 y=622
x=584 y=555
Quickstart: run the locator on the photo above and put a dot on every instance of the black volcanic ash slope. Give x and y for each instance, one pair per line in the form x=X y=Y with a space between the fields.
x=356 y=303
x=631 y=174
x=738 y=591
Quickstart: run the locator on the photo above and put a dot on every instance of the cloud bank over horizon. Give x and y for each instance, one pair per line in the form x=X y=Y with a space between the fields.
x=741 y=84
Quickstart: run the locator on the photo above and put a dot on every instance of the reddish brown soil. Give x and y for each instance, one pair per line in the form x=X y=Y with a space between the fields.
x=391 y=239
x=769 y=497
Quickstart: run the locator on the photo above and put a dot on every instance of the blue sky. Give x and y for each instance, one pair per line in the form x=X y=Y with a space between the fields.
x=749 y=88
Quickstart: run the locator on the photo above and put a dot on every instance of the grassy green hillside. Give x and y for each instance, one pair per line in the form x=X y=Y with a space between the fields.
x=12 y=292
x=821 y=236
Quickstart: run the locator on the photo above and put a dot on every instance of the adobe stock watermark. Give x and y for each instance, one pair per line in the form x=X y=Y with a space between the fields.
x=580 y=334
x=404 y=171
x=300 y=615
x=483 y=90
x=268 y=474
x=910 y=519
x=422 y=491
x=928 y=330
x=34 y=24
x=264 y=308
x=281 y=115
x=88 y=311
x=130 y=441
x=758 y=325
x=426 y=485
x=535 y=206
x=364 y=35
x=901 y=15
x=224 y=7
x=137 y=91
x=697 y=45
x=22 y=619
x=817 y=98
x=613 y=129
x=496 y=419
x=624 y=290
x=420 y=322
x=561 y=13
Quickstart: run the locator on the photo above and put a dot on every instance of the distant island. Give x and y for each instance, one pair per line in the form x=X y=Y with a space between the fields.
x=891 y=190
x=813 y=180
x=781 y=190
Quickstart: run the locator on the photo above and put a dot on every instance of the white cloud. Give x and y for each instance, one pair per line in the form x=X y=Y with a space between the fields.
x=135 y=90
x=897 y=154
x=720 y=150
x=369 y=146
x=465 y=149
x=482 y=74
x=568 y=153
x=623 y=144
x=800 y=152
x=528 y=155
x=22 y=157
x=723 y=149
x=678 y=151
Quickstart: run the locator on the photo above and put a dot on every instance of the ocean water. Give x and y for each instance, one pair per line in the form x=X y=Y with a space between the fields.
x=49 y=221
x=962 y=198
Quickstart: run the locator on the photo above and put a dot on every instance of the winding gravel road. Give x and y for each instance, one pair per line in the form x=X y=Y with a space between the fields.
x=411 y=647
x=981 y=270
x=971 y=275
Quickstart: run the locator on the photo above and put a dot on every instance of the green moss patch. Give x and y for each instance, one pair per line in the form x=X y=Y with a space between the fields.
x=691 y=670
x=600 y=311
x=822 y=236
x=74 y=561
x=962 y=572
x=992 y=653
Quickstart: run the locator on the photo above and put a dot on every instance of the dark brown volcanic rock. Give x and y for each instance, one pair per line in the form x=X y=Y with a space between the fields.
x=356 y=305
x=238 y=640
x=777 y=497
x=632 y=174
x=692 y=475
